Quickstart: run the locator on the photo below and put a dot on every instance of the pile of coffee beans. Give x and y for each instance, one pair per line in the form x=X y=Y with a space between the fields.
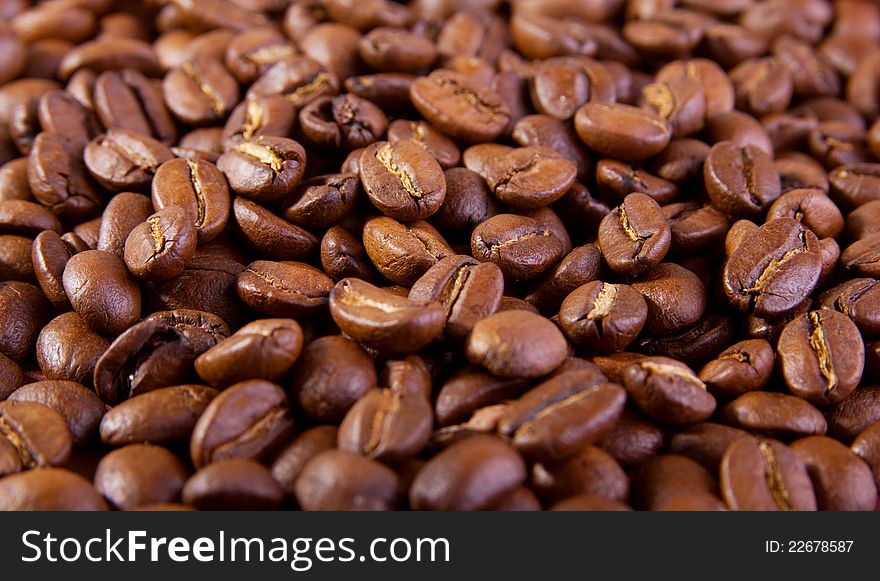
x=440 y=254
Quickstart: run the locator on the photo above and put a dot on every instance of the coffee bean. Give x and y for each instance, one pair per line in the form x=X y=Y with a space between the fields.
x=156 y=352
x=23 y=309
x=544 y=130
x=425 y=135
x=526 y=177
x=774 y=414
x=11 y=376
x=246 y=420
x=668 y=391
x=123 y=160
x=842 y=480
x=253 y=52
x=343 y=256
x=669 y=477
x=235 y=483
x=37 y=432
x=207 y=283
x=854 y=414
x=471 y=389
x=59 y=180
x=264 y=349
x=387 y=426
x=634 y=236
x=705 y=443
x=339 y=480
x=776 y=271
x=123 y=213
x=269 y=234
x=865 y=446
x=621 y=131
x=603 y=316
x=633 y=440
x=140 y=474
x=128 y=100
x=863 y=257
x=289 y=464
x=258 y=116
x=765 y=475
x=740 y=180
x=675 y=297
x=200 y=91
x=298 y=79
x=49 y=256
x=382 y=320
x=521 y=246
x=813 y=208
x=861 y=222
x=284 y=288
x=742 y=367
x=591 y=471
x=345 y=122
x=821 y=356
x=160 y=247
x=162 y=416
x=402 y=180
x=197 y=186
x=264 y=169
x=762 y=85
x=516 y=343
x=740 y=128
x=855 y=298
x=322 y=202
x=67 y=349
x=49 y=489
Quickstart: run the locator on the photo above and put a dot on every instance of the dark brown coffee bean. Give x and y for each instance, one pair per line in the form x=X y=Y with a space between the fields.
x=343 y=256
x=468 y=290
x=458 y=107
x=246 y=420
x=634 y=236
x=862 y=222
x=813 y=208
x=669 y=477
x=331 y=374
x=705 y=443
x=866 y=447
x=59 y=180
x=745 y=366
x=675 y=297
x=264 y=349
x=484 y=469
x=776 y=271
x=123 y=213
x=252 y=52
x=284 y=288
x=762 y=85
x=344 y=122
x=667 y=391
x=49 y=255
x=765 y=475
x=620 y=179
x=444 y=150
x=159 y=248
x=390 y=91
x=199 y=187
x=109 y=54
x=298 y=79
x=122 y=160
x=559 y=416
x=682 y=160
x=591 y=471
x=200 y=91
x=156 y=352
x=23 y=308
x=740 y=181
x=264 y=169
x=543 y=130
x=382 y=320
x=740 y=128
x=774 y=414
x=468 y=201
x=863 y=257
x=207 y=283
x=562 y=84
x=679 y=101
x=272 y=115
x=15 y=252
x=403 y=252
x=289 y=464
x=234 y=483
x=409 y=376
x=821 y=356
x=842 y=480
x=102 y=291
x=580 y=266
x=162 y=416
x=128 y=100
x=516 y=344
x=621 y=131
x=14 y=180
x=856 y=299
x=522 y=247
x=11 y=376
x=67 y=349
x=812 y=75
x=387 y=426
x=603 y=316
x=140 y=474
x=37 y=432
x=855 y=414
x=836 y=143
x=269 y=234
x=471 y=389
x=322 y=202
x=526 y=177
x=402 y=180
x=633 y=440
x=339 y=480
x=49 y=489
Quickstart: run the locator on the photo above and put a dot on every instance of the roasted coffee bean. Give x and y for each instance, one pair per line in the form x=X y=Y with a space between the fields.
x=140 y=474
x=633 y=440
x=246 y=420
x=619 y=179
x=706 y=443
x=484 y=469
x=156 y=352
x=402 y=180
x=272 y=115
x=322 y=202
x=123 y=213
x=740 y=128
x=37 y=432
x=603 y=316
x=339 y=480
x=740 y=181
x=471 y=389
x=23 y=309
x=444 y=150
x=856 y=298
x=580 y=266
x=343 y=256
x=776 y=271
x=235 y=483
x=765 y=475
x=15 y=262
x=675 y=297
x=559 y=416
x=526 y=177
x=459 y=107
x=160 y=247
x=592 y=471
x=123 y=160
x=331 y=374
x=289 y=464
x=67 y=349
x=197 y=186
x=521 y=246
x=59 y=180
x=284 y=289
x=383 y=320
x=265 y=169
x=694 y=345
x=11 y=376
x=345 y=122
x=387 y=426
x=821 y=356
x=855 y=414
x=403 y=252
x=200 y=91
x=863 y=257
x=264 y=349
x=635 y=236
x=269 y=234
x=252 y=52
x=668 y=391
x=762 y=85
x=621 y=131
x=811 y=207
x=774 y=414
x=128 y=100
x=841 y=479
x=49 y=489
x=668 y=477
x=162 y=416
x=468 y=290
x=516 y=344
x=49 y=255
x=862 y=222
x=299 y=79
x=866 y=447
x=105 y=54
x=742 y=367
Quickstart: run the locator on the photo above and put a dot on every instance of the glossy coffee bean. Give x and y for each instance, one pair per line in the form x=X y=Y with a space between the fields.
x=603 y=316
x=740 y=181
x=124 y=212
x=289 y=464
x=49 y=489
x=322 y=202
x=102 y=291
x=338 y=480
x=269 y=234
x=516 y=344
x=854 y=414
x=140 y=474
x=635 y=236
x=387 y=426
x=200 y=91
x=402 y=180
x=233 y=484
x=283 y=289
x=160 y=247
x=199 y=187
x=37 y=432
x=265 y=169
x=742 y=367
x=522 y=247
x=842 y=480
x=123 y=160
x=774 y=414
x=668 y=391
x=621 y=131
